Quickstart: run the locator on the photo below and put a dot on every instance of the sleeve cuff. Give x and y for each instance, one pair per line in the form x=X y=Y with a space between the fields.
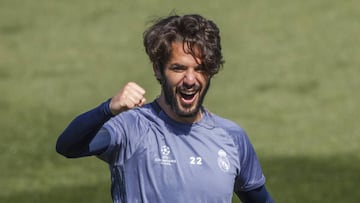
x=106 y=108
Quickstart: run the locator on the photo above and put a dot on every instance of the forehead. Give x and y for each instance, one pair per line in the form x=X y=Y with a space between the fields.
x=181 y=52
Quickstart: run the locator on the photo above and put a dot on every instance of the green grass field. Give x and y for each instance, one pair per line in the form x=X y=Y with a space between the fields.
x=291 y=80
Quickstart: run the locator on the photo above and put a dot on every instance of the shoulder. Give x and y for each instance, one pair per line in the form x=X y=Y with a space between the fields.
x=129 y=127
x=127 y=131
x=227 y=125
x=232 y=129
x=137 y=119
x=137 y=113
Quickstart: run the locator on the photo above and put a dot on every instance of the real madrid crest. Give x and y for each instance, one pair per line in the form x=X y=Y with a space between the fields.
x=223 y=161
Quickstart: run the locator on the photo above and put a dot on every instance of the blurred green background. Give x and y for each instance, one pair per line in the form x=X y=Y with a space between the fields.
x=291 y=80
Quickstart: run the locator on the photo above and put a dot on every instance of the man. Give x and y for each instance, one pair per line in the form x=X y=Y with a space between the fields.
x=172 y=149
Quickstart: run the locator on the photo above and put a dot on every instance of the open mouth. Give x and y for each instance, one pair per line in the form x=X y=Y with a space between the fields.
x=188 y=97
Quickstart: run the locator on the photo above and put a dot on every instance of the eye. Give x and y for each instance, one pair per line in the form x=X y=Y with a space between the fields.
x=200 y=68
x=177 y=67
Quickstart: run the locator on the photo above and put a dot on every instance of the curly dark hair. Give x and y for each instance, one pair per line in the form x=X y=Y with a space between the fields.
x=194 y=31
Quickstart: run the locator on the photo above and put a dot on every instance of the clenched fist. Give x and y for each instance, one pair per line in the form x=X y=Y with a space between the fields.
x=130 y=96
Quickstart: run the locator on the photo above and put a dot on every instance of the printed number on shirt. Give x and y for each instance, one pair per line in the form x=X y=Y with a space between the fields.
x=195 y=160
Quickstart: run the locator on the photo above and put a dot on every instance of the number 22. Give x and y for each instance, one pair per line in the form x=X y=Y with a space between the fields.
x=195 y=160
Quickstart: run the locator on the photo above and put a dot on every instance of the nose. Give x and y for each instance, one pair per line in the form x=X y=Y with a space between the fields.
x=189 y=78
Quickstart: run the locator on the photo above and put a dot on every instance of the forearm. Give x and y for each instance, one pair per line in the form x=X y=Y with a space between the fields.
x=259 y=195
x=76 y=139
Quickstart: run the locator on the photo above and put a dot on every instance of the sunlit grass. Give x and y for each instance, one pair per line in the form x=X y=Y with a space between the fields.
x=290 y=80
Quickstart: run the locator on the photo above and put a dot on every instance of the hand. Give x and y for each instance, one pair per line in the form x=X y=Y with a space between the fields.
x=130 y=96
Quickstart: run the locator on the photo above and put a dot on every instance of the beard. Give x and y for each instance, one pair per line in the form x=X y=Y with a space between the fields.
x=179 y=109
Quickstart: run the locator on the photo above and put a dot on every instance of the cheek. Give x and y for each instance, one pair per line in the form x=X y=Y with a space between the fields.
x=173 y=80
x=168 y=84
x=204 y=80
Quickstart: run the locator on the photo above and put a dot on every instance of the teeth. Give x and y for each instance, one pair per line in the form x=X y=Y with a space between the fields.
x=188 y=93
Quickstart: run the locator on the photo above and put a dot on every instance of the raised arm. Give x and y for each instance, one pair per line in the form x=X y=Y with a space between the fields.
x=83 y=136
x=76 y=138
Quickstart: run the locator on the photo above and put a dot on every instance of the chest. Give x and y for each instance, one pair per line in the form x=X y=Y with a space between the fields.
x=199 y=161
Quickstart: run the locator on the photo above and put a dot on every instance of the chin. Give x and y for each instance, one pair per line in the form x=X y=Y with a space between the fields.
x=188 y=111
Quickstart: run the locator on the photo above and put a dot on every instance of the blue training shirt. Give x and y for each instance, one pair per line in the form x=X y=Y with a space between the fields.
x=152 y=158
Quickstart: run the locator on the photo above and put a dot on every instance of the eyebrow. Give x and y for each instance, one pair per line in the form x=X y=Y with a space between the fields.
x=178 y=65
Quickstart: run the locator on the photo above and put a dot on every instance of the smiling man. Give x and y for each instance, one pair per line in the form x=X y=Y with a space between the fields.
x=172 y=149
x=184 y=84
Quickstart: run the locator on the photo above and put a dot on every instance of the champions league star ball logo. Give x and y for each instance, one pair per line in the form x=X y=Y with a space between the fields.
x=165 y=158
x=223 y=161
x=165 y=150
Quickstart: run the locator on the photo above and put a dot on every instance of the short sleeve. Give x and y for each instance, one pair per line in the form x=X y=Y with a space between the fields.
x=126 y=132
x=250 y=175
